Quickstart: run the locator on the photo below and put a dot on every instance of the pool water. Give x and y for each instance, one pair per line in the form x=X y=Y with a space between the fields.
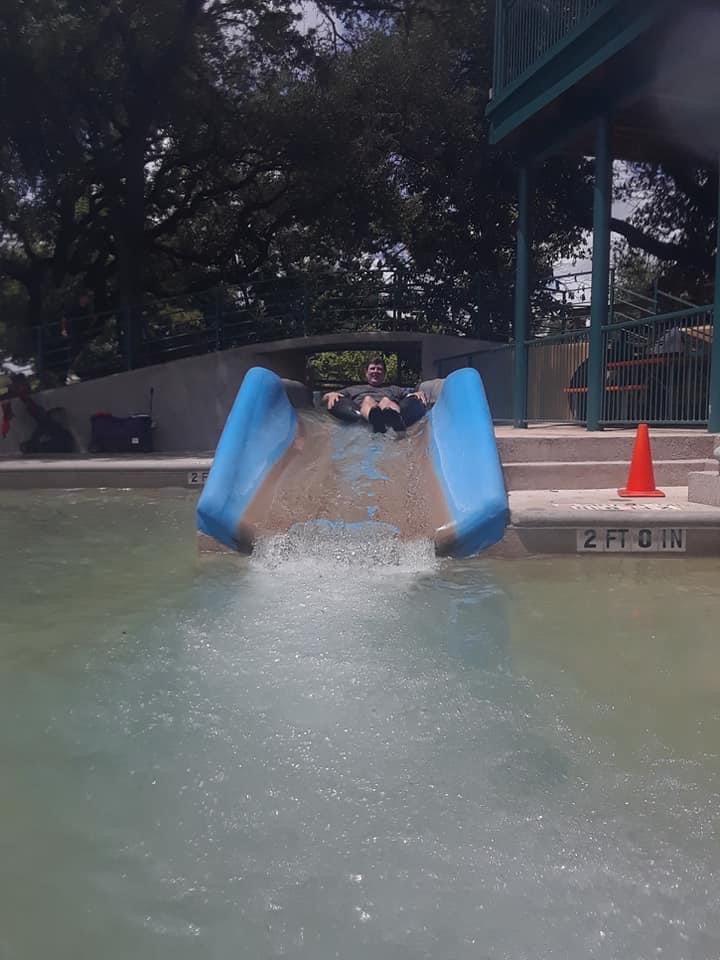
x=307 y=756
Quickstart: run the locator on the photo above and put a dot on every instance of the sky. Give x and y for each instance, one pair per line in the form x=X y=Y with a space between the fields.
x=621 y=210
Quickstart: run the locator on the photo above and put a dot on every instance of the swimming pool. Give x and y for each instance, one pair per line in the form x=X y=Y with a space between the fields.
x=306 y=758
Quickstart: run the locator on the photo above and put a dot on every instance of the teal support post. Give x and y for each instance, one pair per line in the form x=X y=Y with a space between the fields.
x=522 y=300
x=714 y=407
x=600 y=270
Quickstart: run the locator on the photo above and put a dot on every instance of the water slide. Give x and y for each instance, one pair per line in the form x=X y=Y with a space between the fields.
x=277 y=468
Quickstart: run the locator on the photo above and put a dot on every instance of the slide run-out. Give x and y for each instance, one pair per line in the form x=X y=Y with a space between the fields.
x=276 y=468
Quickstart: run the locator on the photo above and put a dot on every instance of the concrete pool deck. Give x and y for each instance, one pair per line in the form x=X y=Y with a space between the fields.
x=598 y=521
x=96 y=472
x=547 y=521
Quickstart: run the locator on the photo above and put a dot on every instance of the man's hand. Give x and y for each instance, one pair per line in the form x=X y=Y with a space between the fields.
x=331 y=398
x=420 y=395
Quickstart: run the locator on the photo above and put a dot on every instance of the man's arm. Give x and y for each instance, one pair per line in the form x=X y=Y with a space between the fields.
x=331 y=398
x=410 y=392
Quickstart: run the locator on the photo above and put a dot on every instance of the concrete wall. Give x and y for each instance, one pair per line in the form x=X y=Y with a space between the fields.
x=496 y=367
x=192 y=397
x=435 y=347
x=191 y=401
x=287 y=358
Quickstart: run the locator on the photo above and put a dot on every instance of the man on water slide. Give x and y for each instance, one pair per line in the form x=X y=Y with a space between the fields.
x=382 y=404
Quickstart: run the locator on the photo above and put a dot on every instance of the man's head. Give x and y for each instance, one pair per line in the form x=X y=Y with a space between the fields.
x=375 y=372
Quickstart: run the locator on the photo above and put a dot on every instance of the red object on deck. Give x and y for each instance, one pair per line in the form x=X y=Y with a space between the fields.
x=7 y=415
x=641 y=478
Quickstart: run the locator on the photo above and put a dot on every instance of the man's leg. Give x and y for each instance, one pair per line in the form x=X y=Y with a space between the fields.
x=391 y=415
x=370 y=410
x=412 y=409
x=344 y=409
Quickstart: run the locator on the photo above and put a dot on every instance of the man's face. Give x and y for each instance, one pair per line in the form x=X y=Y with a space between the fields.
x=375 y=374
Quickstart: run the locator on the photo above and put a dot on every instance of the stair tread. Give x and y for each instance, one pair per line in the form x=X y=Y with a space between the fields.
x=587 y=463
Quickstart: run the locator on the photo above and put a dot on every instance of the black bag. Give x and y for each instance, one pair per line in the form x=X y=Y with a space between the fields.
x=111 y=434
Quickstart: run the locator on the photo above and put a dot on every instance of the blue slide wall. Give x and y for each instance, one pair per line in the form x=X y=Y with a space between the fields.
x=260 y=428
x=262 y=425
x=466 y=463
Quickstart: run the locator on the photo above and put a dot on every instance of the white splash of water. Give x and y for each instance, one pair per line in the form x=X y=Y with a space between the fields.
x=362 y=545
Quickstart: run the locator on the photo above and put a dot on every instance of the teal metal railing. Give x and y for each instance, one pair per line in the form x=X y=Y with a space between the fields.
x=655 y=370
x=570 y=294
x=86 y=346
x=527 y=30
x=634 y=304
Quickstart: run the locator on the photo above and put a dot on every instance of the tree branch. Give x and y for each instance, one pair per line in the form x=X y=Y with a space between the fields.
x=662 y=249
x=193 y=201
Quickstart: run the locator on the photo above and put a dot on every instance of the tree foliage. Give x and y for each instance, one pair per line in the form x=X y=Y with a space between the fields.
x=162 y=148
x=343 y=367
x=127 y=157
x=674 y=222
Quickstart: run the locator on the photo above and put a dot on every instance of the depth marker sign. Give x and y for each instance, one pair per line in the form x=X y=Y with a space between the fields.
x=197 y=478
x=631 y=540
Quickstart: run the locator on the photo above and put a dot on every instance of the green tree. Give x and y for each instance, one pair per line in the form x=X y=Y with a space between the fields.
x=674 y=222
x=137 y=146
x=413 y=181
x=165 y=147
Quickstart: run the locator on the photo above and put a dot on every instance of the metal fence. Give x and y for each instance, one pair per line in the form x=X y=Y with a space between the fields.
x=526 y=30
x=656 y=370
x=88 y=345
x=572 y=293
x=557 y=377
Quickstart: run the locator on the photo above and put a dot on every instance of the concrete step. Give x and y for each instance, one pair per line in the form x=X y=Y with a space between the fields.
x=593 y=474
x=704 y=487
x=525 y=446
x=544 y=522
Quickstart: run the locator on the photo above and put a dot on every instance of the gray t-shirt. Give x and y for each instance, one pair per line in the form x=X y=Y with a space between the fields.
x=357 y=394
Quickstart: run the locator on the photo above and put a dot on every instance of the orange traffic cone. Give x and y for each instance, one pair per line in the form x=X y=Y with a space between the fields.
x=641 y=478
